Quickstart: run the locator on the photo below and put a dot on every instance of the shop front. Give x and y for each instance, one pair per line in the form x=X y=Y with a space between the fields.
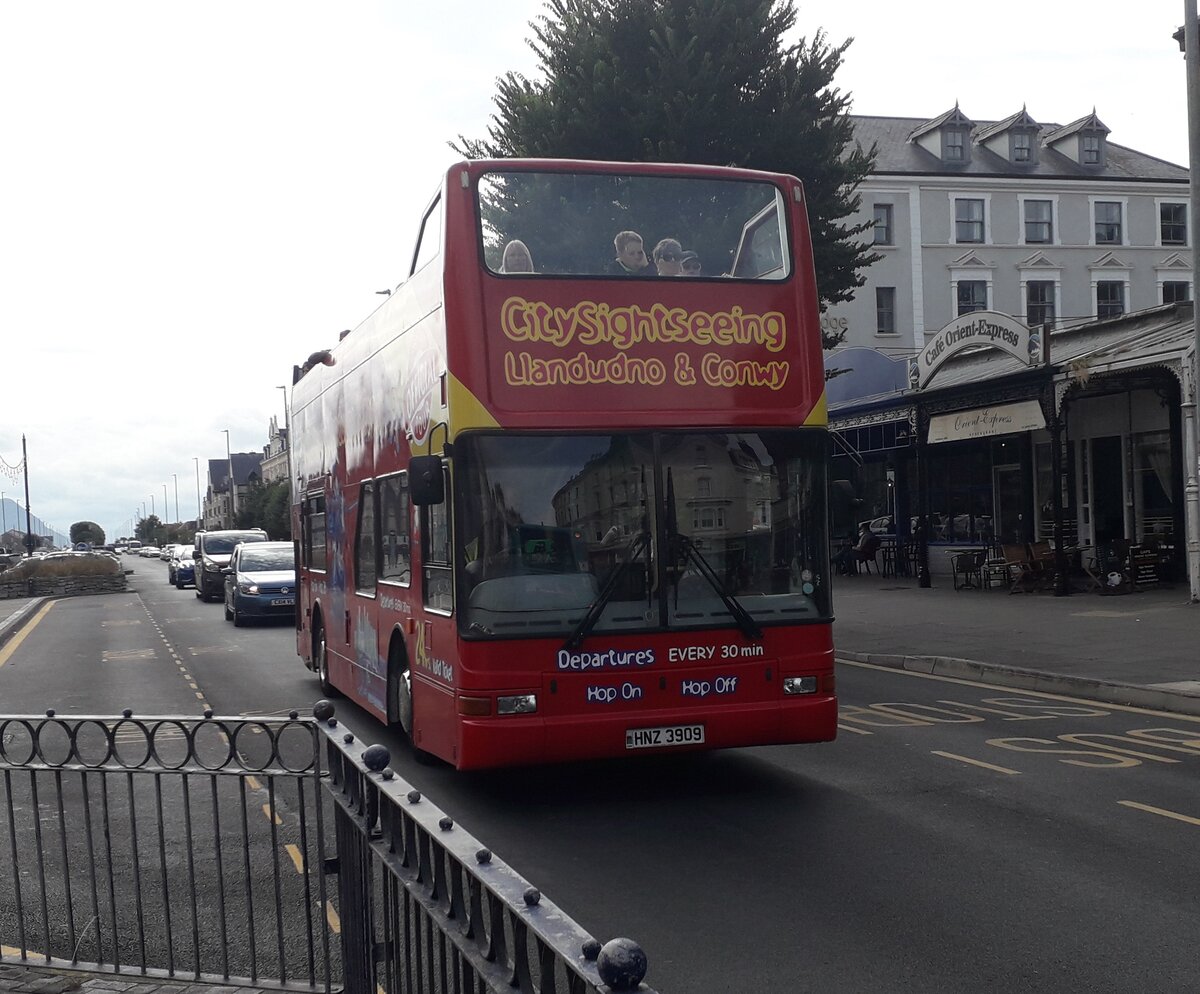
x=999 y=447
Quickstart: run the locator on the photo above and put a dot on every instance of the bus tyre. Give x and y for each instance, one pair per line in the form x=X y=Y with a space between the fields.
x=400 y=679
x=321 y=660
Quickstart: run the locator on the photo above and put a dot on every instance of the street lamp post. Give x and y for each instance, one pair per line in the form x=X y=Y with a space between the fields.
x=287 y=437
x=199 y=511
x=232 y=488
x=175 y=477
x=152 y=511
x=165 y=512
x=1191 y=409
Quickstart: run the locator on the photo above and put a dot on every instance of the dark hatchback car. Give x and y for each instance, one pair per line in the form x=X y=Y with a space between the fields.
x=260 y=582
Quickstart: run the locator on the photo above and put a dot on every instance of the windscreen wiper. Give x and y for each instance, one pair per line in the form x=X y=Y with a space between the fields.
x=639 y=545
x=683 y=543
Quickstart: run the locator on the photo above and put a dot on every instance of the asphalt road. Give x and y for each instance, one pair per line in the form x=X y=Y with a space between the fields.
x=956 y=837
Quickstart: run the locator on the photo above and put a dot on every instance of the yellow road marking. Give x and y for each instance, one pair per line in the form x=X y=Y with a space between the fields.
x=1002 y=689
x=294 y=851
x=271 y=815
x=331 y=916
x=976 y=762
x=254 y=784
x=1161 y=811
x=9 y=649
x=851 y=728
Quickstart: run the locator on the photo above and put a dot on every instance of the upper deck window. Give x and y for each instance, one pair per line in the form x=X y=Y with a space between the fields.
x=589 y=224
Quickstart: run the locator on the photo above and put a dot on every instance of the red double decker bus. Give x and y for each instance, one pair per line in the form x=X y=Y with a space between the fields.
x=554 y=506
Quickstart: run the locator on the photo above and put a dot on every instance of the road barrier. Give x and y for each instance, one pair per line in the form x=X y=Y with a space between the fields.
x=198 y=849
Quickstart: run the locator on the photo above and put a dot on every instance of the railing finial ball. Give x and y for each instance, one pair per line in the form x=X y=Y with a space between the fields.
x=446 y=823
x=483 y=856
x=414 y=796
x=293 y=715
x=621 y=964
x=376 y=757
x=49 y=712
x=127 y=713
x=323 y=710
x=389 y=774
x=590 y=950
x=208 y=713
x=532 y=896
x=348 y=738
x=332 y=723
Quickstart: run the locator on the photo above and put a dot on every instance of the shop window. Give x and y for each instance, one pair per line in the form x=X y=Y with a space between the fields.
x=1153 y=488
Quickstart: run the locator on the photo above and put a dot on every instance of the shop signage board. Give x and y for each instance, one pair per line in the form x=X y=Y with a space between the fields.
x=982 y=422
x=1002 y=331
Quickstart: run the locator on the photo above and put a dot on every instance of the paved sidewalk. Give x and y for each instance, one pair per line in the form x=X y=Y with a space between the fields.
x=1140 y=648
x=18 y=979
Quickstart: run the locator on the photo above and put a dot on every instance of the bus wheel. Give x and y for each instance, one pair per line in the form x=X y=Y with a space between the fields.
x=400 y=686
x=321 y=659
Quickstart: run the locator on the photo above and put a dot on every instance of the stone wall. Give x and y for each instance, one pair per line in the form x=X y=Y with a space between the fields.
x=61 y=586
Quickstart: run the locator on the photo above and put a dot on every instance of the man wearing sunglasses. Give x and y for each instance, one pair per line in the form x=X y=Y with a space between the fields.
x=667 y=257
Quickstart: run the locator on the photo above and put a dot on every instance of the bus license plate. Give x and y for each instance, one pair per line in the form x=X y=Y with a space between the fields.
x=665 y=735
x=284 y=602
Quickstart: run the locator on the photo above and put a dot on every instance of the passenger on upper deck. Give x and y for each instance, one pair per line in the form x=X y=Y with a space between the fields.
x=691 y=264
x=631 y=256
x=667 y=257
x=516 y=258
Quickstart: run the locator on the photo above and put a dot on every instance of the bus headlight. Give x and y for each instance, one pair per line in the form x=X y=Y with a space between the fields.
x=800 y=685
x=518 y=704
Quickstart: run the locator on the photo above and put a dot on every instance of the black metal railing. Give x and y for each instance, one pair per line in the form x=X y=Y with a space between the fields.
x=426 y=907
x=171 y=847
x=198 y=849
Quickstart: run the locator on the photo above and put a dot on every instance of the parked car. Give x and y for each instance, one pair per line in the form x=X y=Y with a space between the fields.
x=179 y=554
x=165 y=552
x=148 y=552
x=260 y=581
x=211 y=556
x=185 y=572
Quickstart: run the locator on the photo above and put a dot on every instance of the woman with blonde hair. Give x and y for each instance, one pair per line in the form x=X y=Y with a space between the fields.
x=516 y=258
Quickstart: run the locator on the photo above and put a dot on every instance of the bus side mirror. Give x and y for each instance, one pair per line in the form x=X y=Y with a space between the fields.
x=426 y=485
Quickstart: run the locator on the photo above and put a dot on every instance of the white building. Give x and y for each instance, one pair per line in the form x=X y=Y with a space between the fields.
x=1052 y=224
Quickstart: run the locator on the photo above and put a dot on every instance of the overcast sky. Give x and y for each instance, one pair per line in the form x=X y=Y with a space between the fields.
x=195 y=196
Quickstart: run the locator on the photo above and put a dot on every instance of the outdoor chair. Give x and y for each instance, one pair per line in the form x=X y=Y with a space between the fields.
x=969 y=566
x=869 y=553
x=1016 y=561
x=1041 y=563
x=996 y=569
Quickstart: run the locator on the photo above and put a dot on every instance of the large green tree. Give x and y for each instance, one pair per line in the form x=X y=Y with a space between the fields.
x=706 y=81
x=267 y=506
x=87 y=531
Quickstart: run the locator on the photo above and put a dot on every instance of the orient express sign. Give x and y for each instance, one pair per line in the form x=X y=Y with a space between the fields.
x=977 y=328
x=1006 y=419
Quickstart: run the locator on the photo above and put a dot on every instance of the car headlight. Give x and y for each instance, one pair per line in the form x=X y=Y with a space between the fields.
x=211 y=567
x=247 y=588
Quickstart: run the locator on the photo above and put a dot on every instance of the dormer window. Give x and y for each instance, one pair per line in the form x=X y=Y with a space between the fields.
x=1091 y=150
x=955 y=147
x=1022 y=146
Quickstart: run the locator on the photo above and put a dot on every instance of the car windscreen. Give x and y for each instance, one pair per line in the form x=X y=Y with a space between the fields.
x=223 y=545
x=266 y=560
